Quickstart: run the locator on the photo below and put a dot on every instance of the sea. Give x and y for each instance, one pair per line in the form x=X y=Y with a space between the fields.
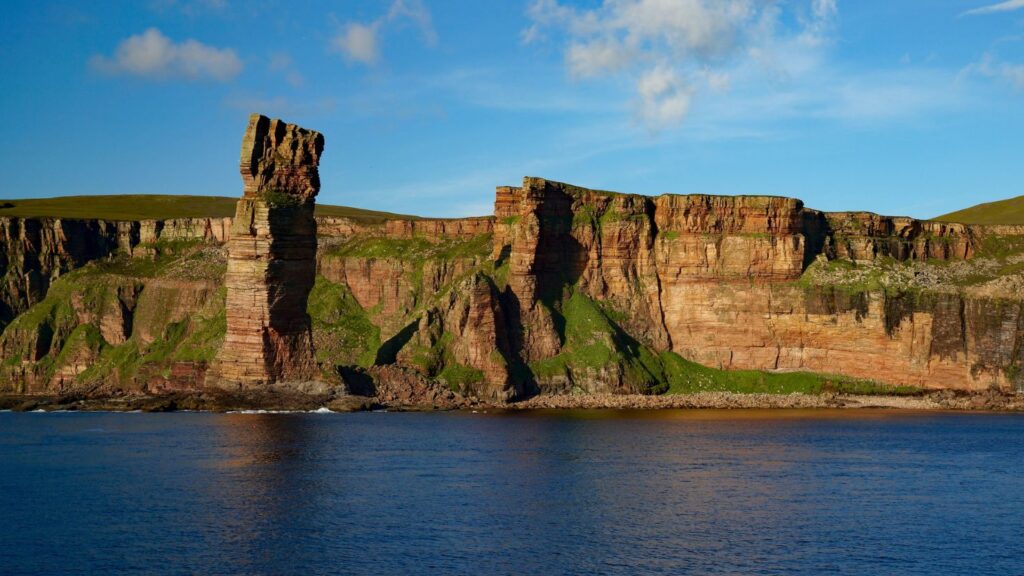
x=525 y=492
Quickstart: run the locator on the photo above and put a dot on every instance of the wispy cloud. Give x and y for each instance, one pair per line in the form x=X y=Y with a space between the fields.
x=448 y=193
x=1007 y=6
x=189 y=7
x=359 y=43
x=671 y=51
x=153 y=55
x=279 y=105
x=488 y=88
x=282 y=64
x=991 y=66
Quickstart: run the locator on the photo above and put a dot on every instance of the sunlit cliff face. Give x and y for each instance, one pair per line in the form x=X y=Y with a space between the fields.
x=271 y=260
x=566 y=290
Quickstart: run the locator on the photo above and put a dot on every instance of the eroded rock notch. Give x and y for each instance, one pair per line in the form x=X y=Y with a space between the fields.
x=271 y=259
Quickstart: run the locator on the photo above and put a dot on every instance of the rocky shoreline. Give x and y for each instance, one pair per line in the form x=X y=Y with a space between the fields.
x=220 y=401
x=945 y=400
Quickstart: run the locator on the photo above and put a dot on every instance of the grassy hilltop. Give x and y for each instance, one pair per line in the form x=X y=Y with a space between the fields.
x=156 y=206
x=1009 y=211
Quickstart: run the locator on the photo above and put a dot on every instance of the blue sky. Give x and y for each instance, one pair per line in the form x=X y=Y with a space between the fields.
x=909 y=107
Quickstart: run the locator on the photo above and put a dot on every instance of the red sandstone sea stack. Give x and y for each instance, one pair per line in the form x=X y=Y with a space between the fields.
x=271 y=260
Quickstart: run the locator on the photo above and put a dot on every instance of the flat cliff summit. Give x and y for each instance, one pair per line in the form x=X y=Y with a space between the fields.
x=564 y=292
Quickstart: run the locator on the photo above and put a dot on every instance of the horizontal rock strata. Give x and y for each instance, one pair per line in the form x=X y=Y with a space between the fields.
x=564 y=290
x=271 y=259
x=716 y=279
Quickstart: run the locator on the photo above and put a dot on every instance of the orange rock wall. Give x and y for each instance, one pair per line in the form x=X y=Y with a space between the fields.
x=712 y=278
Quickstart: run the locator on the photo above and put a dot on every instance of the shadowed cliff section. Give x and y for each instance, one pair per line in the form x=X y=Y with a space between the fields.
x=34 y=252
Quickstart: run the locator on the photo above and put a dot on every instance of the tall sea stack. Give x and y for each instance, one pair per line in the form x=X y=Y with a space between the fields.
x=271 y=260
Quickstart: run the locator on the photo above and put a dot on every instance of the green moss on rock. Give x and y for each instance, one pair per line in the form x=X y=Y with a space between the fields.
x=595 y=347
x=412 y=249
x=342 y=331
x=686 y=377
x=458 y=376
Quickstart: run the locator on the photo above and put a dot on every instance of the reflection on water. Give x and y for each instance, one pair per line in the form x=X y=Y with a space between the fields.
x=546 y=492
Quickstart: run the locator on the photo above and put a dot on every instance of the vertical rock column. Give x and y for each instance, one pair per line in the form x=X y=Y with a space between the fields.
x=271 y=260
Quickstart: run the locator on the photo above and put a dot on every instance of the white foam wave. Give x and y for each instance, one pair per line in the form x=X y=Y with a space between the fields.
x=320 y=410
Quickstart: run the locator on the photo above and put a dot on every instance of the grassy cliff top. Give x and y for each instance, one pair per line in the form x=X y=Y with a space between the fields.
x=1009 y=211
x=155 y=206
x=579 y=189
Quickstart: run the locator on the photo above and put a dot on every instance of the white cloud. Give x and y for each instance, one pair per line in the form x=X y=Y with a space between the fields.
x=717 y=81
x=414 y=11
x=664 y=98
x=1007 y=6
x=549 y=13
x=153 y=55
x=818 y=27
x=595 y=58
x=672 y=49
x=1014 y=73
x=359 y=43
x=991 y=67
x=700 y=27
x=687 y=27
x=825 y=9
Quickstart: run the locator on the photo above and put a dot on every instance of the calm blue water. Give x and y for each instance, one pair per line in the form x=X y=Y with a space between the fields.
x=674 y=492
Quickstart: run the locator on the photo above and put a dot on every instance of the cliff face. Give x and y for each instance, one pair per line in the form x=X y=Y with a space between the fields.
x=147 y=323
x=419 y=296
x=862 y=236
x=271 y=259
x=732 y=282
x=36 y=251
x=564 y=290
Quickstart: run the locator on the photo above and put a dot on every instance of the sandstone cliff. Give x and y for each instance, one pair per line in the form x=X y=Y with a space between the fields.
x=736 y=282
x=564 y=290
x=149 y=323
x=36 y=251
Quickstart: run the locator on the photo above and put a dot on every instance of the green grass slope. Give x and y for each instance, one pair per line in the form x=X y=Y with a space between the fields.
x=1009 y=211
x=594 y=341
x=155 y=206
